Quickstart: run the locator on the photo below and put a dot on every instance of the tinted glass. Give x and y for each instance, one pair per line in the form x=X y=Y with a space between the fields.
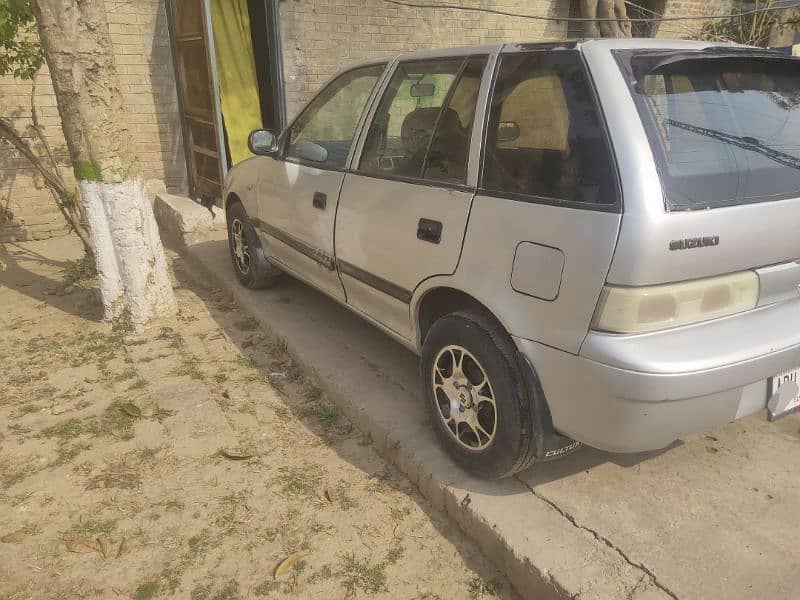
x=545 y=137
x=330 y=120
x=410 y=113
x=723 y=131
x=449 y=148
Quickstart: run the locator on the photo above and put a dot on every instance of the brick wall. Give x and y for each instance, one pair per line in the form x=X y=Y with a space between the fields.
x=320 y=37
x=144 y=61
x=689 y=28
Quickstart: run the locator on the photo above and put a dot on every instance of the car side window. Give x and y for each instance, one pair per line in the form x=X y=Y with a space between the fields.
x=323 y=133
x=423 y=122
x=545 y=137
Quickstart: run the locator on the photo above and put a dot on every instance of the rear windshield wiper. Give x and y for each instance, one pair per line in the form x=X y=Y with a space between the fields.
x=745 y=142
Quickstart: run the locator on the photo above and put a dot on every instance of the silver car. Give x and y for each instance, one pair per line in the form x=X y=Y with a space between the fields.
x=592 y=242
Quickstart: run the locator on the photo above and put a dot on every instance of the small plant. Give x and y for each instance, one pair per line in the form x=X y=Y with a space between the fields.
x=92 y=528
x=278 y=347
x=360 y=575
x=298 y=482
x=323 y=574
x=191 y=368
x=138 y=384
x=395 y=553
x=479 y=588
x=129 y=373
x=246 y=361
x=327 y=415
x=80 y=271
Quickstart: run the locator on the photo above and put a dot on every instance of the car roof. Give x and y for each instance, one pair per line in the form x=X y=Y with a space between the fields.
x=592 y=45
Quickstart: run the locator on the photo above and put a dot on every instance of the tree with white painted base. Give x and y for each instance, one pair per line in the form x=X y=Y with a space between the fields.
x=130 y=259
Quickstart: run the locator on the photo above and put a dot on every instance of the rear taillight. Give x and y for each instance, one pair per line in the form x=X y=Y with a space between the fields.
x=650 y=308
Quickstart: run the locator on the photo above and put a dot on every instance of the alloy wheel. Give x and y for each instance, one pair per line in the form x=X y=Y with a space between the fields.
x=464 y=398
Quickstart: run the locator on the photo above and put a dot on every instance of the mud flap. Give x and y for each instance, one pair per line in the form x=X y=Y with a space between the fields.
x=549 y=444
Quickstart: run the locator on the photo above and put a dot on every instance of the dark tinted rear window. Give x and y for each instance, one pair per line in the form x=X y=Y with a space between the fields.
x=545 y=137
x=724 y=130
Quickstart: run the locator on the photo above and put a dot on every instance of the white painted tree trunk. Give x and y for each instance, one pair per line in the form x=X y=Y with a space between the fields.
x=130 y=259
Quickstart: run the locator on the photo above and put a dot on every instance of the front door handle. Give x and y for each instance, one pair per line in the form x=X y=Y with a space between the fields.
x=320 y=200
x=429 y=231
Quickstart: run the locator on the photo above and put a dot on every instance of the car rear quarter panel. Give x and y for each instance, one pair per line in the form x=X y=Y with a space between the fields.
x=496 y=228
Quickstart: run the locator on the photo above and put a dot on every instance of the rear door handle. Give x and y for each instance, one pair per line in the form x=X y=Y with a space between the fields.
x=429 y=231
x=320 y=200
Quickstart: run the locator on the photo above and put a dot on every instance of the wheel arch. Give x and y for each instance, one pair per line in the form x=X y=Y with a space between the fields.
x=440 y=300
x=230 y=199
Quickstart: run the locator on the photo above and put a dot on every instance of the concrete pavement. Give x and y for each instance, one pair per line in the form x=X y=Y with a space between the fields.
x=712 y=517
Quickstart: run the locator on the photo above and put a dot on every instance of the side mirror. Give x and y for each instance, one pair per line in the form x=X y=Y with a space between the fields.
x=507 y=131
x=308 y=150
x=262 y=142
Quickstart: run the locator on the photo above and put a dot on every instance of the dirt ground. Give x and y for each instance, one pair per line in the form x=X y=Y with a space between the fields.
x=192 y=459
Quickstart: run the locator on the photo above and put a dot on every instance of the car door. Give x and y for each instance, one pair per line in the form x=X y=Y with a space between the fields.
x=404 y=206
x=299 y=191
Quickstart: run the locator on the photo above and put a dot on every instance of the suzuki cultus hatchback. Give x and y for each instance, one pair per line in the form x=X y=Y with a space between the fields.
x=591 y=242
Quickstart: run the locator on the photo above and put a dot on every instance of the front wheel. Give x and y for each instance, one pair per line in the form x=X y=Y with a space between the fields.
x=249 y=262
x=479 y=407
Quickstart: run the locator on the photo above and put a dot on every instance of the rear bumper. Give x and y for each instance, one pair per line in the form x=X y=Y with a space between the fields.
x=642 y=392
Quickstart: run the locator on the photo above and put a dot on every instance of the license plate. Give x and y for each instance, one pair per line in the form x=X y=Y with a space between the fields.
x=784 y=394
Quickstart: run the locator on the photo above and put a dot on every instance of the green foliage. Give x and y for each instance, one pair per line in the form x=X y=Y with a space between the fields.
x=86 y=171
x=20 y=52
x=80 y=271
x=750 y=28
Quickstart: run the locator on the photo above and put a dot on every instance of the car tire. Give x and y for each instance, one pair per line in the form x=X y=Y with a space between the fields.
x=249 y=261
x=478 y=403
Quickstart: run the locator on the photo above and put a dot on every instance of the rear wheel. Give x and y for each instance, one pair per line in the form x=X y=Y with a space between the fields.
x=479 y=406
x=249 y=261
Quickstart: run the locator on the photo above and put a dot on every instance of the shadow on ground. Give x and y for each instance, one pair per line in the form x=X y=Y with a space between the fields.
x=41 y=275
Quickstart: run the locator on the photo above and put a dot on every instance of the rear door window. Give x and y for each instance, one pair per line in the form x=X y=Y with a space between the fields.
x=423 y=123
x=724 y=131
x=545 y=138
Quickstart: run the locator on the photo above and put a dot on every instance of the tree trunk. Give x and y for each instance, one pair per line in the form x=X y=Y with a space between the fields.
x=614 y=21
x=130 y=259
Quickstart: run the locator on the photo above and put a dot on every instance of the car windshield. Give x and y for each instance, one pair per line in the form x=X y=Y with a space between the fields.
x=724 y=130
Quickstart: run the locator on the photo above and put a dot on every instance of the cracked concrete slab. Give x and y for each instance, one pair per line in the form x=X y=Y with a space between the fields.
x=709 y=518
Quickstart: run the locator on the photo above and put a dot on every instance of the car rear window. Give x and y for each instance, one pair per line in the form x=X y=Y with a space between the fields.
x=724 y=129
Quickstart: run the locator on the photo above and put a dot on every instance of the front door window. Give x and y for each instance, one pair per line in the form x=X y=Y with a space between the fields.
x=323 y=133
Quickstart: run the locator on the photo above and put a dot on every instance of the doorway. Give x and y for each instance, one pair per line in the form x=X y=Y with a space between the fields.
x=230 y=81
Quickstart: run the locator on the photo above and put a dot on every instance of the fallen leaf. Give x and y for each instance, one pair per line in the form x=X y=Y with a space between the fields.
x=226 y=395
x=397 y=532
x=123 y=547
x=331 y=495
x=235 y=454
x=105 y=546
x=285 y=565
x=81 y=545
x=15 y=537
x=131 y=410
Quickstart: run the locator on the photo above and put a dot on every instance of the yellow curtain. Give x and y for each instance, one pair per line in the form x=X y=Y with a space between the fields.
x=236 y=70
